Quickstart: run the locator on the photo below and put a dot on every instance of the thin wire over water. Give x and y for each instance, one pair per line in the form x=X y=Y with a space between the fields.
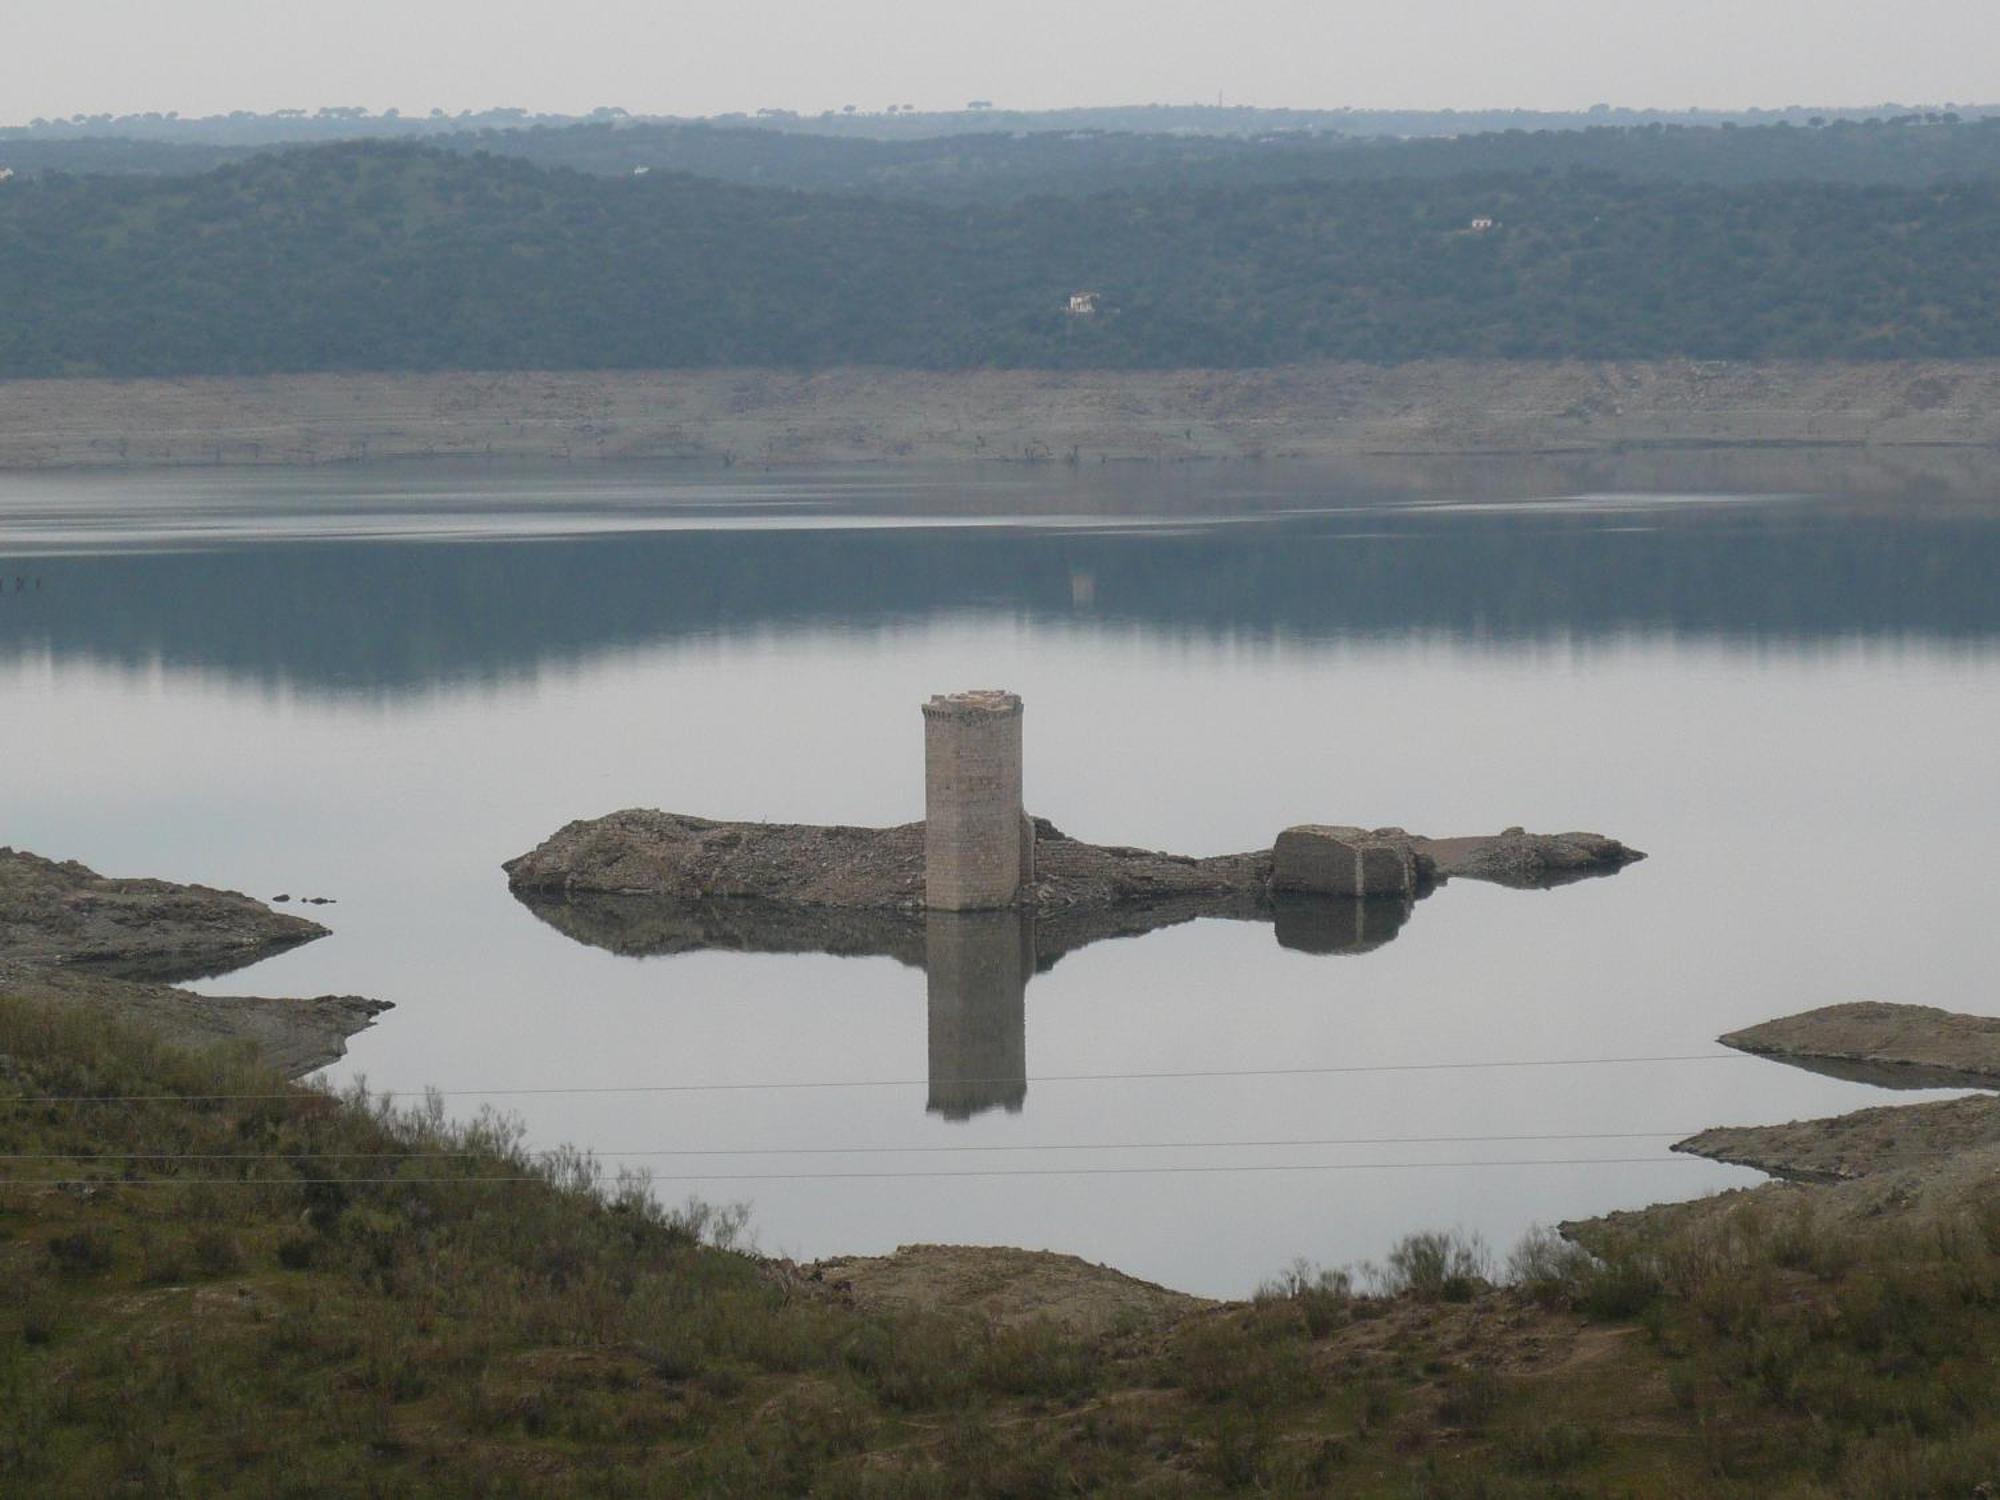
x=783 y=1085
x=477 y=1179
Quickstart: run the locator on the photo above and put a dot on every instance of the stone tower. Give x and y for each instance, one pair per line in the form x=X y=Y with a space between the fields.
x=979 y=847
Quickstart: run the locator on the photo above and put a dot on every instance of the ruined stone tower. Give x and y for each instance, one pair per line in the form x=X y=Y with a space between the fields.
x=978 y=844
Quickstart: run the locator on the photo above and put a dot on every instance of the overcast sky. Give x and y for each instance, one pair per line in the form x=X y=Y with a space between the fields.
x=62 y=57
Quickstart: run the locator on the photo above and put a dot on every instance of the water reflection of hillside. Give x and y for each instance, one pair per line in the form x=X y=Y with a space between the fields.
x=976 y=965
x=400 y=617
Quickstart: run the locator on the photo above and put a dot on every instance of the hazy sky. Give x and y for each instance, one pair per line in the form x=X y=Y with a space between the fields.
x=61 y=57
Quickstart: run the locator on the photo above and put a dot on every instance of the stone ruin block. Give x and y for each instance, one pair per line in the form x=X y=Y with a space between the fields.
x=1321 y=860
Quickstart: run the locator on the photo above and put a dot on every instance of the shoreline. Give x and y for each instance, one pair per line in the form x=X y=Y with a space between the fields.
x=778 y=419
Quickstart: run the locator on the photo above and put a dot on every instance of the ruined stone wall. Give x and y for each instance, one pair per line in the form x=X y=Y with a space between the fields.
x=974 y=854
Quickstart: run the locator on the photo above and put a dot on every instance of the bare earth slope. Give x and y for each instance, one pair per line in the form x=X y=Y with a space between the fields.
x=876 y=415
x=1005 y=1285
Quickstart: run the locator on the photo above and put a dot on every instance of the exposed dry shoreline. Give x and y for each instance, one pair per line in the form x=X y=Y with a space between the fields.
x=861 y=415
x=69 y=936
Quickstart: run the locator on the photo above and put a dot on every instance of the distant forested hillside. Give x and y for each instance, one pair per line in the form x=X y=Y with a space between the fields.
x=969 y=166
x=397 y=256
x=899 y=122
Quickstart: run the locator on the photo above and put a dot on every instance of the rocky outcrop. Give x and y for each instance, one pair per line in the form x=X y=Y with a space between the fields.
x=1525 y=860
x=1897 y=1046
x=69 y=936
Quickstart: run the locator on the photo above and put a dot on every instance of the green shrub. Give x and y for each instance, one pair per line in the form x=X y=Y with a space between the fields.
x=1548 y=1267
x=1324 y=1296
x=216 y=1253
x=1469 y=1398
x=916 y=1364
x=1040 y=1359
x=1438 y=1266
x=82 y=1252
x=1550 y=1447
x=1621 y=1287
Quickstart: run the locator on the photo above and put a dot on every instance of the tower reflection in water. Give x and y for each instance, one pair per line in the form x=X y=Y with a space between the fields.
x=977 y=965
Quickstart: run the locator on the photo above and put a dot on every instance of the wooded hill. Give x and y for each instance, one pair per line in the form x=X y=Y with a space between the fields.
x=976 y=166
x=397 y=257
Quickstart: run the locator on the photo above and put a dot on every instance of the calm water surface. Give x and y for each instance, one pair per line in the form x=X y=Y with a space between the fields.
x=1782 y=679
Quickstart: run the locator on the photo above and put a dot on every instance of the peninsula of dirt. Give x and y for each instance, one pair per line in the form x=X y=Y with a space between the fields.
x=1911 y=1161
x=70 y=936
x=63 y=913
x=1846 y=1147
x=678 y=858
x=867 y=415
x=1896 y=1046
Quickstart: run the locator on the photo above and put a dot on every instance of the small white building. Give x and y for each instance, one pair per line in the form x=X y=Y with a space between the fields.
x=1082 y=304
x=6 y=174
x=1480 y=226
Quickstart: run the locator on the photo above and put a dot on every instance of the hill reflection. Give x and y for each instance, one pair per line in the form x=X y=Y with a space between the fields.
x=398 y=617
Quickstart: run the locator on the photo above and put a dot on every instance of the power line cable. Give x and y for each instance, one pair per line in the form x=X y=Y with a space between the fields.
x=1362 y=1166
x=304 y=1153
x=882 y=1083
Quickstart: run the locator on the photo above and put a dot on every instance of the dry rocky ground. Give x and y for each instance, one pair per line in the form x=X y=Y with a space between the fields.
x=876 y=415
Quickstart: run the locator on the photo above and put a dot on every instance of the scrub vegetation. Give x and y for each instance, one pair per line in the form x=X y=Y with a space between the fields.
x=295 y=1293
x=395 y=256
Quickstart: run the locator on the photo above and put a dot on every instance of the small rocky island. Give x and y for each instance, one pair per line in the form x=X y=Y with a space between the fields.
x=982 y=897
x=679 y=858
x=976 y=850
x=71 y=936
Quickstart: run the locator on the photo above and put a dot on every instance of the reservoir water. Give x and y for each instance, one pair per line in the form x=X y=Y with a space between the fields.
x=1780 y=676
